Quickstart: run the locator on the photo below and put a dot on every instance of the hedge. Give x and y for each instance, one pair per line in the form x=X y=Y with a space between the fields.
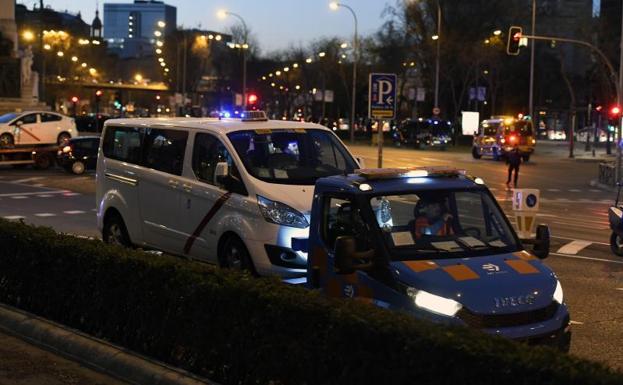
x=236 y=329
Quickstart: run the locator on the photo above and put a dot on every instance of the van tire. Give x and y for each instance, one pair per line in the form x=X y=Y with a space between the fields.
x=115 y=231
x=233 y=254
x=63 y=138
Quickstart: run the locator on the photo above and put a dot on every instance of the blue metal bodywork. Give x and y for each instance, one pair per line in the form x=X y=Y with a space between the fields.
x=510 y=294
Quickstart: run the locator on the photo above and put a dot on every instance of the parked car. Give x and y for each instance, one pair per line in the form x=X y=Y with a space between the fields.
x=35 y=128
x=79 y=154
x=581 y=135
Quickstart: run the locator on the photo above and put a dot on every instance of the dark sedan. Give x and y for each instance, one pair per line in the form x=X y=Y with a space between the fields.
x=79 y=154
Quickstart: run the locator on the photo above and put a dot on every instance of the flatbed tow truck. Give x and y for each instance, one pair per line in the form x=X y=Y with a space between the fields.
x=41 y=157
x=434 y=243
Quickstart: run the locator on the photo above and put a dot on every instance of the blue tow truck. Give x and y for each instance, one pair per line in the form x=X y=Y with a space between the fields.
x=433 y=242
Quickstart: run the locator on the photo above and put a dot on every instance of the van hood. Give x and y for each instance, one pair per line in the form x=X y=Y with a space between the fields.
x=498 y=284
x=298 y=197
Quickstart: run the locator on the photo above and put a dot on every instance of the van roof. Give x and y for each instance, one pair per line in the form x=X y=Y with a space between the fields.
x=225 y=125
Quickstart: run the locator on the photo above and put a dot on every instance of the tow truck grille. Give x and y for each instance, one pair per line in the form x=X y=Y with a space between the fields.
x=490 y=321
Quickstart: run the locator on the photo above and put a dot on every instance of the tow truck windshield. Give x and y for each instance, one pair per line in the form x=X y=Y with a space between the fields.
x=442 y=223
x=296 y=157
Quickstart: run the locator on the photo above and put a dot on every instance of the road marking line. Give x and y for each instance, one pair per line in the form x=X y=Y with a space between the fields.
x=573 y=247
x=587 y=258
x=70 y=194
x=27 y=179
x=13 y=217
x=572 y=322
x=19 y=197
x=594 y=190
x=74 y=212
x=553 y=190
x=573 y=239
x=45 y=215
x=38 y=185
x=575 y=190
x=44 y=196
x=619 y=288
x=34 y=193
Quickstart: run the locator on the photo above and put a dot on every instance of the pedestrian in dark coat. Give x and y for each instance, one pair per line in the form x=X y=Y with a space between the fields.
x=513 y=158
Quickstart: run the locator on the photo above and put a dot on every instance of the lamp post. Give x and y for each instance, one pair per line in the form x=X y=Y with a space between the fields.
x=335 y=6
x=222 y=14
x=438 y=55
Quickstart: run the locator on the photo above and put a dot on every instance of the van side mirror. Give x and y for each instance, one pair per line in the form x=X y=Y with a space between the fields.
x=347 y=258
x=541 y=243
x=221 y=173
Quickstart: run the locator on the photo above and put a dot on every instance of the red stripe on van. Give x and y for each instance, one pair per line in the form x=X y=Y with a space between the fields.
x=204 y=222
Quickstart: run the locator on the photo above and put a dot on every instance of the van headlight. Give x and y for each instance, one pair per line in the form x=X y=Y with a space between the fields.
x=281 y=214
x=434 y=303
x=558 y=294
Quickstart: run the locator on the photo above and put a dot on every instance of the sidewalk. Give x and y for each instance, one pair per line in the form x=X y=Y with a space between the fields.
x=24 y=364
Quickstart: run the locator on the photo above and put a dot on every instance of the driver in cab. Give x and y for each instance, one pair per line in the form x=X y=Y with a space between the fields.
x=432 y=217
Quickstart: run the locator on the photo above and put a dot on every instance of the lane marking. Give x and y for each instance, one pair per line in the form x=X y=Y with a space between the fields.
x=27 y=179
x=573 y=247
x=553 y=190
x=44 y=196
x=74 y=212
x=34 y=193
x=45 y=215
x=573 y=239
x=70 y=194
x=19 y=197
x=575 y=190
x=594 y=190
x=13 y=217
x=587 y=258
x=572 y=322
x=619 y=288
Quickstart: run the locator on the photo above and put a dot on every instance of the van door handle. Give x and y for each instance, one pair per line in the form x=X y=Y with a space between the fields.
x=173 y=183
x=187 y=187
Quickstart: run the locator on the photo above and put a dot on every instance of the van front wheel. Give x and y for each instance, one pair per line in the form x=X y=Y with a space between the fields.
x=115 y=232
x=234 y=255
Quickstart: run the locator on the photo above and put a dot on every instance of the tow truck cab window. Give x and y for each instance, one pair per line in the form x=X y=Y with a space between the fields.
x=123 y=144
x=164 y=150
x=443 y=223
x=521 y=127
x=343 y=218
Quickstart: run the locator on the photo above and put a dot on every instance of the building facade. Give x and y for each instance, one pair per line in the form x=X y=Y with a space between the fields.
x=132 y=29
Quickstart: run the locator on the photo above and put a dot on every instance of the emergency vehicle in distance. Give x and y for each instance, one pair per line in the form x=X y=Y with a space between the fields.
x=433 y=242
x=232 y=192
x=497 y=136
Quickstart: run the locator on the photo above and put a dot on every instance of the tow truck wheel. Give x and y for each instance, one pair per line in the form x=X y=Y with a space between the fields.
x=475 y=153
x=234 y=255
x=42 y=161
x=115 y=232
x=63 y=138
x=6 y=140
x=616 y=244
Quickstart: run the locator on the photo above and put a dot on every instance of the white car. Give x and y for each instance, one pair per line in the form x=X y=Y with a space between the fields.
x=233 y=192
x=35 y=127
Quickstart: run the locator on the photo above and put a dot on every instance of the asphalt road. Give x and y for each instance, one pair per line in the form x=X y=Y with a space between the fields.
x=592 y=277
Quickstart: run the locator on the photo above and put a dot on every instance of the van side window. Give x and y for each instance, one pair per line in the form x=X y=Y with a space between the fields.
x=207 y=152
x=164 y=150
x=123 y=143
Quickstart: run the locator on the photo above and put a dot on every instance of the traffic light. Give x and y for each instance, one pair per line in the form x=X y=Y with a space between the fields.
x=252 y=101
x=118 y=104
x=74 y=99
x=614 y=115
x=514 y=37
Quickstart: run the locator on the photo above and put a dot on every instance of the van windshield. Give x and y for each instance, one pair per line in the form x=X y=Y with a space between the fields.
x=490 y=129
x=293 y=156
x=442 y=224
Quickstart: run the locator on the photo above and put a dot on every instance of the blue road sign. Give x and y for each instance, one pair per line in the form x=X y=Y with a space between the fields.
x=382 y=96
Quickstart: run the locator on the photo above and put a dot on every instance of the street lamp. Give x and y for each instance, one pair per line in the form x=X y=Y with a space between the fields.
x=28 y=35
x=222 y=14
x=334 y=5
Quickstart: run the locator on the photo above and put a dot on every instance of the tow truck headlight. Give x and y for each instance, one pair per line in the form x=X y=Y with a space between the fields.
x=558 y=294
x=281 y=214
x=434 y=303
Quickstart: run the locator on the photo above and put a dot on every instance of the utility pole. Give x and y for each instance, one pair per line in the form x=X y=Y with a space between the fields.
x=531 y=96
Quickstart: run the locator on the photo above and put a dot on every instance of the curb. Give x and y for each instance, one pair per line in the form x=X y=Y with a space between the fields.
x=94 y=353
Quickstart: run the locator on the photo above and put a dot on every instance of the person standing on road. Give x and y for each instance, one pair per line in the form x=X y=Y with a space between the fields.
x=513 y=159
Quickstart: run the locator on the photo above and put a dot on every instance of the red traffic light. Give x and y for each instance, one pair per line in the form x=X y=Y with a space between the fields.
x=99 y=93
x=615 y=111
x=598 y=108
x=252 y=98
x=74 y=99
x=514 y=37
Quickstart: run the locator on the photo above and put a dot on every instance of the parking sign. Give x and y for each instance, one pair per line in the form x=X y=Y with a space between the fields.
x=382 y=96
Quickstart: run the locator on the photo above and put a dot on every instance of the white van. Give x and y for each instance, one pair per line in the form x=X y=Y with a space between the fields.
x=233 y=192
